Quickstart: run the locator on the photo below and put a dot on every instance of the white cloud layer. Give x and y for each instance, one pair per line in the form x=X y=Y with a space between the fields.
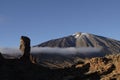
x=89 y=51
x=64 y=51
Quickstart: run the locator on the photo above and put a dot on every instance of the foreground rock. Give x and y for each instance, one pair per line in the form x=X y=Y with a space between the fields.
x=106 y=68
x=1 y=59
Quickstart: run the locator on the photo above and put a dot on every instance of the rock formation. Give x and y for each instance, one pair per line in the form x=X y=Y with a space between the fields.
x=25 y=49
x=1 y=58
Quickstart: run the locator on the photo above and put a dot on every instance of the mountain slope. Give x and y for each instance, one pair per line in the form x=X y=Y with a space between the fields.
x=61 y=42
x=78 y=40
x=84 y=40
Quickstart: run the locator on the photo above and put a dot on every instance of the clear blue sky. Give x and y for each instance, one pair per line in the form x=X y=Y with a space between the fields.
x=43 y=20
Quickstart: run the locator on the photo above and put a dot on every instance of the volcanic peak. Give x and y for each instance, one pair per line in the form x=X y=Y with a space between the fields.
x=80 y=34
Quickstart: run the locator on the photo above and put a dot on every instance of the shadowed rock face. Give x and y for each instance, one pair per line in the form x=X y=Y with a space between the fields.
x=1 y=58
x=25 y=48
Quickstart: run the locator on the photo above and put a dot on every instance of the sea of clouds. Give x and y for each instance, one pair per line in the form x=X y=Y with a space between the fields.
x=86 y=51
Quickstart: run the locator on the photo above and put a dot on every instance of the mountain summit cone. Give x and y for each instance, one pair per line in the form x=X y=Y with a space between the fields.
x=80 y=39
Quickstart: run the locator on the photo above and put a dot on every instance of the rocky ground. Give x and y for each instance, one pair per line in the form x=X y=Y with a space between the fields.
x=98 y=68
x=106 y=68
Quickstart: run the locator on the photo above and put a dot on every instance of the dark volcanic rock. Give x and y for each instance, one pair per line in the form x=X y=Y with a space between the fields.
x=25 y=48
x=1 y=59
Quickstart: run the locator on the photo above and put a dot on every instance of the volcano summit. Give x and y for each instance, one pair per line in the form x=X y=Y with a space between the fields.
x=80 y=39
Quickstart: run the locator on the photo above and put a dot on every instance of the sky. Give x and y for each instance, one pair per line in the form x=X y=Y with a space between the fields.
x=43 y=20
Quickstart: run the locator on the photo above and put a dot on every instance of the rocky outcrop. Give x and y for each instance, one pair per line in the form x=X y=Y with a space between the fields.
x=106 y=68
x=25 y=49
x=1 y=58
